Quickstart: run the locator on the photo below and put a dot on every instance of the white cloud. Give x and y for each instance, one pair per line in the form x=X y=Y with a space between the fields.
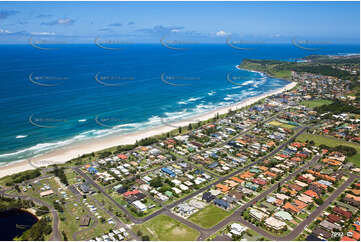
x=4 y=31
x=60 y=21
x=221 y=33
x=42 y=33
x=65 y=21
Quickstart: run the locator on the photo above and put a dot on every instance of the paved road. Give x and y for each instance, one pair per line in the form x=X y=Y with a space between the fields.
x=301 y=226
x=76 y=234
x=119 y=222
x=238 y=135
x=164 y=209
x=55 y=233
x=222 y=179
x=236 y=215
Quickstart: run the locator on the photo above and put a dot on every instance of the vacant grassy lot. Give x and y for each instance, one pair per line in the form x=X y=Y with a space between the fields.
x=282 y=125
x=332 y=142
x=209 y=216
x=316 y=103
x=166 y=228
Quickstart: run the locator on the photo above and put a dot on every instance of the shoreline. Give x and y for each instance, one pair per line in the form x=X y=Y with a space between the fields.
x=66 y=153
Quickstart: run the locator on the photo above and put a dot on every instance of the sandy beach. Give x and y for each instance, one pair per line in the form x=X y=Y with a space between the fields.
x=64 y=154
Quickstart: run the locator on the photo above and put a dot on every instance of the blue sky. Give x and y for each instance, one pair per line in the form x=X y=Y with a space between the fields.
x=81 y=22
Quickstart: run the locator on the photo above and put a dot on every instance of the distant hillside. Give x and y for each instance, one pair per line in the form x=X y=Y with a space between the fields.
x=316 y=64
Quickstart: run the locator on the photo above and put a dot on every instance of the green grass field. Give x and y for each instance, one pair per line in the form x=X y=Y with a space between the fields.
x=282 y=125
x=270 y=69
x=316 y=103
x=332 y=142
x=164 y=228
x=282 y=74
x=209 y=216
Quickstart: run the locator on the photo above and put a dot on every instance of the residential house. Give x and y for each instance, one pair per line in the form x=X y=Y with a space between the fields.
x=237 y=229
x=236 y=195
x=207 y=196
x=283 y=215
x=330 y=226
x=342 y=212
x=322 y=233
x=257 y=214
x=333 y=218
x=221 y=203
x=140 y=206
x=274 y=223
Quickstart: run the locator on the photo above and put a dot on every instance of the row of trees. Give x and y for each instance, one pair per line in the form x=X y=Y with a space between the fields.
x=7 y=204
x=22 y=176
x=337 y=107
x=346 y=150
x=59 y=172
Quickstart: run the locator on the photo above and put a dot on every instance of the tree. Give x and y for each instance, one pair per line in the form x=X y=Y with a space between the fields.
x=59 y=172
x=42 y=210
x=64 y=236
x=319 y=201
x=156 y=182
x=145 y=238
x=38 y=231
x=17 y=188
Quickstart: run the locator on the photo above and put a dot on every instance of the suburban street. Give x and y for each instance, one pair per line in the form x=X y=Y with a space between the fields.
x=237 y=214
x=160 y=211
x=204 y=233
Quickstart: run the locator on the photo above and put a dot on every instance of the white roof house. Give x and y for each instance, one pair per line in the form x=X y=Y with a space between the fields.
x=176 y=190
x=140 y=206
x=183 y=187
x=275 y=223
x=257 y=214
x=237 y=229
x=176 y=182
x=199 y=180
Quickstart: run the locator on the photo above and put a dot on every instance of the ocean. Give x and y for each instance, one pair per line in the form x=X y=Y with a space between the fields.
x=53 y=98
